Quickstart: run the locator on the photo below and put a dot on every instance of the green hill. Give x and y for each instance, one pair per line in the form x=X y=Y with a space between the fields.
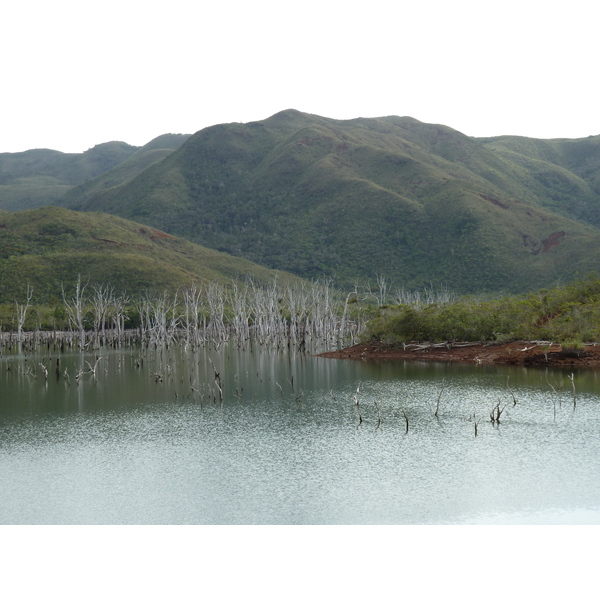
x=42 y=177
x=563 y=174
x=49 y=247
x=392 y=196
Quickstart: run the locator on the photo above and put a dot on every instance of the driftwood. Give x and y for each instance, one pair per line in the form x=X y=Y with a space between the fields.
x=447 y=345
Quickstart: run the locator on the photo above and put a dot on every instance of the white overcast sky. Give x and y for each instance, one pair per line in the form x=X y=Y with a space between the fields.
x=75 y=74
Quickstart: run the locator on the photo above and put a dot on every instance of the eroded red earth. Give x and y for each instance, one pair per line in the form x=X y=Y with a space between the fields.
x=514 y=353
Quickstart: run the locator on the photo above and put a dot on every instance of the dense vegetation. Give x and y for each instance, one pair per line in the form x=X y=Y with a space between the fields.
x=351 y=199
x=569 y=314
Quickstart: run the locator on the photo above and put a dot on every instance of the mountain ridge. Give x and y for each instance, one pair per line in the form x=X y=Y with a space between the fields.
x=354 y=199
x=415 y=202
x=39 y=177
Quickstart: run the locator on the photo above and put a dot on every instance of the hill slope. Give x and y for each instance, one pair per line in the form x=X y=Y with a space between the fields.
x=565 y=174
x=41 y=177
x=415 y=202
x=48 y=247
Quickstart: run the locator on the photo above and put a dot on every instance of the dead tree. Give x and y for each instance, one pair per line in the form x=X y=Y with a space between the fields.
x=101 y=300
x=572 y=378
x=215 y=298
x=163 y=317
x=118 y=314
x=496 y=413
x=342 y=330
x=76 y=309
x=437 y=406
x=21 y=310
x=241 y=319
x=192 y=302
x=382 y=284
x=143 y=305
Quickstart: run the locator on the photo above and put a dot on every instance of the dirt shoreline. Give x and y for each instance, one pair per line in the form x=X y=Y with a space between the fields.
x=513 y=353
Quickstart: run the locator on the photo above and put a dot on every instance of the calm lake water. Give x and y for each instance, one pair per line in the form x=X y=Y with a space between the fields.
x=149 y=440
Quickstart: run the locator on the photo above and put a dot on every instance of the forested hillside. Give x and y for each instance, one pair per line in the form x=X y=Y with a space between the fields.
x=392 y=196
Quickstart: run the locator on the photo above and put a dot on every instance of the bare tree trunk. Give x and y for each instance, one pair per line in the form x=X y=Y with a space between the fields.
x=101 y=302
x=21 y=311
x=215 y=297
x=75 y=308
x=192 y=303
x=241 y=318
x=118 y=312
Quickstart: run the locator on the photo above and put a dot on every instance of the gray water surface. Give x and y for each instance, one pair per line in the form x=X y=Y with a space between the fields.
x=150 y=440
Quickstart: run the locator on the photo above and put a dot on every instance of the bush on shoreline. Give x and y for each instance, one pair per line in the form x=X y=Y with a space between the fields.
x=569 y=314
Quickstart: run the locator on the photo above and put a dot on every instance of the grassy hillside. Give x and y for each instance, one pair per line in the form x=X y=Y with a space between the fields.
x=42 y=177
x=391 y=196
x=49 y=247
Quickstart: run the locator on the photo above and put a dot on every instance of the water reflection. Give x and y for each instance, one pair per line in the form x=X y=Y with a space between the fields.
x=149 y=439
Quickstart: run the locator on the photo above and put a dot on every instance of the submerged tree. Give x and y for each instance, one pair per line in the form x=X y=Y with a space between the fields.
x=278 y=314
x=76 y=309
x=21 y=310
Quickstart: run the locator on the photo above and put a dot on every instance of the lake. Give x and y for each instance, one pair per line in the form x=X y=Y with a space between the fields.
x=174 y=436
